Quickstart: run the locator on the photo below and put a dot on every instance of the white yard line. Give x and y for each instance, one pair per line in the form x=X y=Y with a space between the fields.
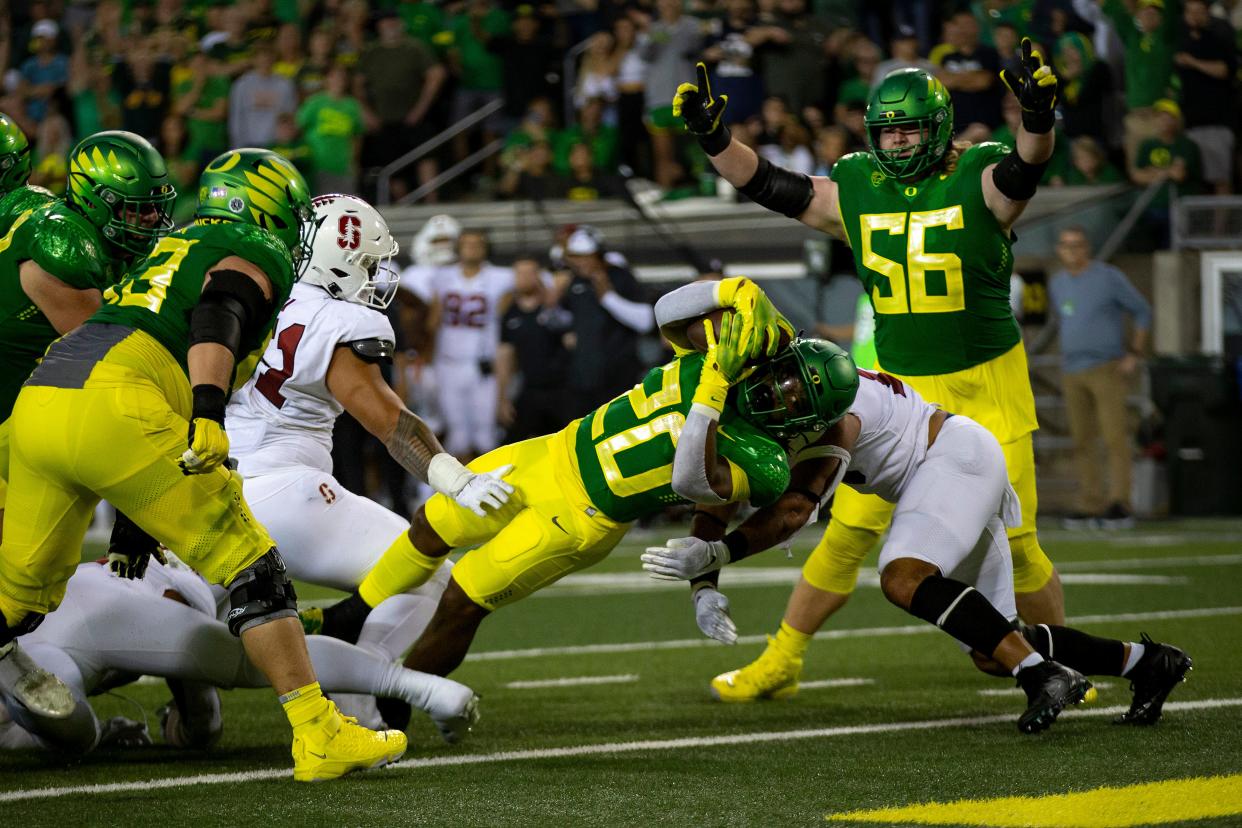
x=1018 y=691
x=593 y=750
x=862 y=632
x=572 y=681
x=835 y=682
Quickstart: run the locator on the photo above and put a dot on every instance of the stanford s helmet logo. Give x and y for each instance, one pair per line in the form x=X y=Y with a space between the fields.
x=349 y=233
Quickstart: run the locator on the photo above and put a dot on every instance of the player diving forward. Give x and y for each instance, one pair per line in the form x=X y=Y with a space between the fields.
x=946 y=559
x=324 y=358
x=929 y=223
x=112 y=630
x=130 y=407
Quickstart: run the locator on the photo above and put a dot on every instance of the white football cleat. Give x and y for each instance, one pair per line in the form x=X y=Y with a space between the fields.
x=39 y=691
x=454 y=708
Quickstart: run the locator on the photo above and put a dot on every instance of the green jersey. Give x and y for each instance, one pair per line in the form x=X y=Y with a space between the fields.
x=15 y=202
x=934 y=260
x=66 y=245
x=159 y=294
x=625 y=447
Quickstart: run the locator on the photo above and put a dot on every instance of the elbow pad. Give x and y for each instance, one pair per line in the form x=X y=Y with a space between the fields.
x=778 y=189
x=232 y=307
x=1015 y=179
x=378 y=351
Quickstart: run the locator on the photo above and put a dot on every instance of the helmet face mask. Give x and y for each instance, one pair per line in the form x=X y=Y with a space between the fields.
x=118 y=181
x=351 y=251
x=808 y=387
x=904 y=99
x=15 y=158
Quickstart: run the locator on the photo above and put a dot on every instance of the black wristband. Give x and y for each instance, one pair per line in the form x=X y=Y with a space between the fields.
x=738 y=545
x=1038 y=123
x=209 y=402
x=716 y=141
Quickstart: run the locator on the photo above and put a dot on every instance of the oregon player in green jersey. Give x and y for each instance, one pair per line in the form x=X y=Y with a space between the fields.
x=929 y=223
x=16 y=196
x=681 y=435
x=130 y=407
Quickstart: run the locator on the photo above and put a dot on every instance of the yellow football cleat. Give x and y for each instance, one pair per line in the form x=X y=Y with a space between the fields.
x=333 y=745
x=312 y=620
x=774 y=675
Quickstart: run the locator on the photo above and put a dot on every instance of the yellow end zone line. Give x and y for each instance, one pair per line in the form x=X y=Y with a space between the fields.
x=1149 y=803
x=607 y=748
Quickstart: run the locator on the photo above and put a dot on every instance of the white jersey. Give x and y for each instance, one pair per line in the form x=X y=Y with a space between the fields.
x=469 y=310
x=284 y=414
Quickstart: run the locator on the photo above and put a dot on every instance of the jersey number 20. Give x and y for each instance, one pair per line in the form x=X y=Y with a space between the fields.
x=915 y=298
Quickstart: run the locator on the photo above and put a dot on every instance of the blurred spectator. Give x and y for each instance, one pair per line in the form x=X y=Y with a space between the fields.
x=290 y=56
x=969 y=70
x=528 y=174
x=1089 y=164
x=527 y=59
x=537 y=125
x=235 y=53
x=1206 y=64
x=257 y=99
x=532 y=352
x=261 y=22
x=1085 y=94
x=597 y=74
x=289 y=143
x=202 y=98
x=1150 y=40
x=881 y=21
x=831 y=143
x=182 y=168
x=992 y=15
x=398 y=81
x=905 y=49
x=670 y=45
x=52 y=141
x=609 y=313
x=46 y=71
x=631 y=92
x=791 y=150
x=731 y=56
x=852 y=118
x=773 y=116
x=586 y=181
x=865 y=60
x=423 y=21
x=480 y=73
x=331 y=123
x=1006 y=40
x=1168 y=158
x=591 y=130
x=314 y=69
x=143 y=86
x=1090 y=300
x=96 y=106
x=352 y=31
x=791 y=52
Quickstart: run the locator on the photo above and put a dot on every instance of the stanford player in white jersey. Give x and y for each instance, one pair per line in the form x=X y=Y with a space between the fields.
x=946 y=559
x=468 y=300
x=323 y=359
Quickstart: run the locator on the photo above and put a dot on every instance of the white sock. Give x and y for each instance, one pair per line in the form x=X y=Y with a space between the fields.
x=1029 y=661
x=1136 y=652
x=436 y=696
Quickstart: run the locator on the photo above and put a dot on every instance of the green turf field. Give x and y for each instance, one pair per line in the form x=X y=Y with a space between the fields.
x=905 y=721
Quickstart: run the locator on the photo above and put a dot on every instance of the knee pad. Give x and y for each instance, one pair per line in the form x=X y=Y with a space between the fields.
x=836 y=559
x=1032 y=568
x=261 y=593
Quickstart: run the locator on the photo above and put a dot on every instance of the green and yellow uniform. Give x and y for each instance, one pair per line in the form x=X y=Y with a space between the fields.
x=18 y=201
x=936 y=264
x=105 y=415
x=577 y=491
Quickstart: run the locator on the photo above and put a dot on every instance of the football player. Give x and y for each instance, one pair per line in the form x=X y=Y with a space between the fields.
x=16 y=196
x=324 y=358
x=112 y=630
x=929 y=222
x=946 y=559
x=130 y=407
x=578 y=491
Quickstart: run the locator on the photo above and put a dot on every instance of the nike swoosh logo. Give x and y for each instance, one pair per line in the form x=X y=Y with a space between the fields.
x=558 y=524
x=317 y=755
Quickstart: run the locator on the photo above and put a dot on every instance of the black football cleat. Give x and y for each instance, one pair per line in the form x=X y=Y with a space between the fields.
x=1161 y=668
x=1050 y=687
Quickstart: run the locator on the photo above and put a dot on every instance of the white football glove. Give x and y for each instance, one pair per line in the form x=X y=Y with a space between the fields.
x=485 y=490
x=683 y=559
x=711 y=611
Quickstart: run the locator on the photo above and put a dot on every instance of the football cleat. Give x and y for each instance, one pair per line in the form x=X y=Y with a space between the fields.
x=1050 y=687
x=124 y=733
x=333 y=745
x=1161 y=668
x=455 y=714
x=39 y=691
x=312 y=620
x=774 y=675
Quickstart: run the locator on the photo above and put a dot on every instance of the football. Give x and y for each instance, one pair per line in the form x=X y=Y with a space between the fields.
x=696 y=333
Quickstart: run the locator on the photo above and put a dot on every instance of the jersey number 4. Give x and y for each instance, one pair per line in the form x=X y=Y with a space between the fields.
x=908 y=290
x=269 y=382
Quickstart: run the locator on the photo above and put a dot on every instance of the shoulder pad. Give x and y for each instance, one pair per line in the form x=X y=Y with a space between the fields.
x=68 y=247
x=257 y=246
x=854 y=163
x=981 y=155
x=373 y=350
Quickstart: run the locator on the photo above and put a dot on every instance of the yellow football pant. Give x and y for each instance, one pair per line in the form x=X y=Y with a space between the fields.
x=548 y=528
x=119 y=436
x=997 y=394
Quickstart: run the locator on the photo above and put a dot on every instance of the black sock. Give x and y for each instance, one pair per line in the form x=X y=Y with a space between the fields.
x=962 y=612
x=344 y=619
x=1086 y=653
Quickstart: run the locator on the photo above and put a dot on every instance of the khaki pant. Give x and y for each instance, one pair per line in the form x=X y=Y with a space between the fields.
x=1139 y=125
x=1096 y=399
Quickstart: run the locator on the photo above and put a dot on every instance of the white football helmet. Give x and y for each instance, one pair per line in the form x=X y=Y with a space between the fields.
x=436 y=242
x=350 y=252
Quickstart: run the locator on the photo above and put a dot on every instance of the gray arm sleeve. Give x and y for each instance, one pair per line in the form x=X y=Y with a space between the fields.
x=687 y=302
x=690 y=460
x=631 y=314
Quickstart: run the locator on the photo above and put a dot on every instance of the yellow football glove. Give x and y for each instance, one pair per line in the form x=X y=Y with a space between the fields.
x=701 y=112
x=1035 y=87
x=724 y=364
x=208 y=444
x=762 y=324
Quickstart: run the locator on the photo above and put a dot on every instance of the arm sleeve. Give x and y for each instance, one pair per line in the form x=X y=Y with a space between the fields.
x=686 y=302
x=690 y=459
x=1130 y=299
x=636 y=315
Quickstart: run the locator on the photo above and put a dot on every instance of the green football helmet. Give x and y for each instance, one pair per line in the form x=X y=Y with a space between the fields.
x=118 y=181
x=15 y=164
x=807 y=387
x=910 y=97
x=260 y=187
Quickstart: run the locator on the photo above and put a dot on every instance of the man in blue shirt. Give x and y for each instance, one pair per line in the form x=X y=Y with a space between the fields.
x=45 y=70
x=1091 y=301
